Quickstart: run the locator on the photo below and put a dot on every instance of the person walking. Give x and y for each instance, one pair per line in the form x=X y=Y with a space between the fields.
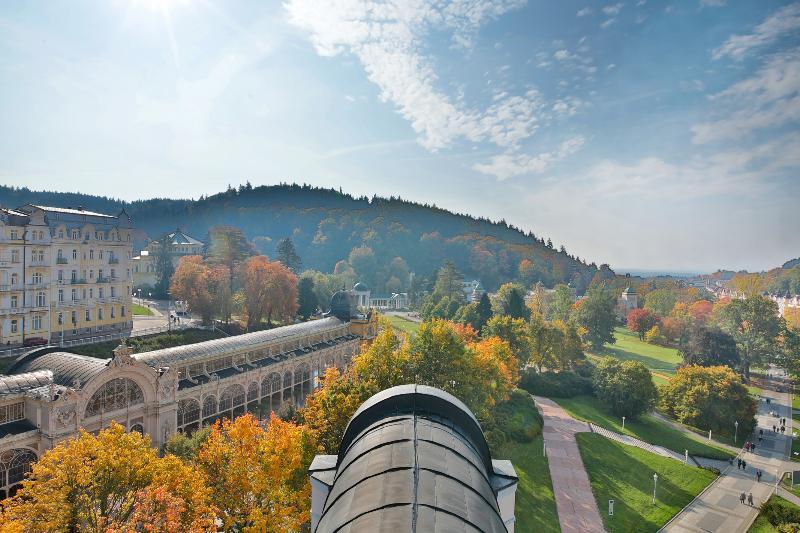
x=758 y=475
x=774 y=429
x=742 y=497
x=744 y=464
x=752 y=447
x=783 y=429
x=750 y=499
x=738 y=464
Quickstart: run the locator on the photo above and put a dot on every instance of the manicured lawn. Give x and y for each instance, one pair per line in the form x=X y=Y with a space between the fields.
x=535 y=504
x=647 y=428
x=796 y=449
x=628 y=346
x=795 y=401
x=400 y=323
x=762 y=525
x=141 y=310
x=625 y=474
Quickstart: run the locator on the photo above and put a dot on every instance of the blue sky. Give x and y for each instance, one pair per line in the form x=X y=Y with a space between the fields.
x=644 y=134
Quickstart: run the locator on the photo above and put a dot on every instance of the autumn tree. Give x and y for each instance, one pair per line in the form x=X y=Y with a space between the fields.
x=527 y=272
x=755 y=325
x=515 y=332
x=708 y=398
x=270 y=291
x=660 y=302
x=114 y=481
x=287 y=255
x=701 y=311
x=596 y=314
x=205 y=289
x=554 y=345
x=748 y=285
x=625 y=387
x=258 y=475
x=307 y=303
x=640 y=321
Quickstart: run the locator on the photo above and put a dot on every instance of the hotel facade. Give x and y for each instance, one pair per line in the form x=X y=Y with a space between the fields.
x=64 y=274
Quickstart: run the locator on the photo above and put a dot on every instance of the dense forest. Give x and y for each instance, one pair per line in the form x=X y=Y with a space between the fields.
x=328 y=226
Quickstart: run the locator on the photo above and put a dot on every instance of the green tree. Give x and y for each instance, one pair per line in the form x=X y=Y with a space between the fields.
x=449 y=283
x=625 y=387
x=510 y=300
x=561 y=306
x=484 y=310
x=287 y=254
x=660 y=302
x=709 y=347
x=709 y=398
x=363 y=261
x=163 y=266
x=596 y=314
x=306 y=298
x=754 y=323
x=512 y=330
x=227 y=246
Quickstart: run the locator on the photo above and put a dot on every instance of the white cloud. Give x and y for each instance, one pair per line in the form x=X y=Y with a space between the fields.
x=712 y=3
x=508 y=165
x=768 y=99
x=608 y=23
x=562 y=55
x=784 y=21
x=584 y=12
x=613 y=9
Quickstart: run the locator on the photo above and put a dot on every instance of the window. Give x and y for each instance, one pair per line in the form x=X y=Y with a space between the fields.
x=88 y=315
x=74 y=254
x=112 y=312
x=60 y=319
x=113 y=274
x=37 y=278
x=113 y=292
x=60 y=234
x=14 y=465
x=14 y=234
x=74 y=295
x=188 y=412
x=12 y=413
x=231 y=397
x=75 y=236
x=91 y=274
x=100 y=273
x=91 y=254
x=100 y=292
x=60 y=254
x=74 y=276
x=100 y=313
x=14 y=326
x=60 y=275
x=74 y=318
x=116 y=394
x=91 y=293
x=37 y=322
x=60 y=295
x=83 y=294
x=209 y=406
x=14 y=279
x=122 y=311
x=14 y=301
x=41 y=299
x=100 y=253
x=15 y=256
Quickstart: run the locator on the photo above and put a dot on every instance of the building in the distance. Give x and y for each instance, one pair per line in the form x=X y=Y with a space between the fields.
x=473 y=290
x=64 y=274
x=412 y=459
x=179 y=244
x=49 y=393
x=626 y=302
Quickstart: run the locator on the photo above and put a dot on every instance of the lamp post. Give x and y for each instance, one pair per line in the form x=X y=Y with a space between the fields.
x=623 y=423
x=655 y=484
x=735 y=431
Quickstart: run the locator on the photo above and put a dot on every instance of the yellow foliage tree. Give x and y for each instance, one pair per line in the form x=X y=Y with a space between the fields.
x=110 y=482
x=258 y=475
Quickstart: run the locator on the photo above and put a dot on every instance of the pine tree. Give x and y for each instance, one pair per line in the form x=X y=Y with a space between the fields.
x=287 y=254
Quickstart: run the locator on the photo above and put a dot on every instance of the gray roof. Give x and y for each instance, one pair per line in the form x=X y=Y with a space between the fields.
x=361 y=287
x=413 y=458
x=71 y=211
x=202 y=350
x=179 y=237
x=20 y=383
x=66 y=368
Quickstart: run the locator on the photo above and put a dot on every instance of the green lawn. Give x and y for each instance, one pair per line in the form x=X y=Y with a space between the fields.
x=142 y=310
x=762 y=525
x=625 y=474
x=400 y=323
x=628 y=346
x=647 y=428
x=535 y=504
x=795 y=401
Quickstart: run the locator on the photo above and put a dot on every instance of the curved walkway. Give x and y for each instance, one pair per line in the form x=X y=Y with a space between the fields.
x=577 y=509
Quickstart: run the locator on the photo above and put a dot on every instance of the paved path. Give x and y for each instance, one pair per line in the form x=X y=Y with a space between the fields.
x=577 y=509
x=718 y=508
x=633 y=441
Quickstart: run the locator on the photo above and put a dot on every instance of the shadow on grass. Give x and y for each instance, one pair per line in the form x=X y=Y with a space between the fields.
x=650 y=362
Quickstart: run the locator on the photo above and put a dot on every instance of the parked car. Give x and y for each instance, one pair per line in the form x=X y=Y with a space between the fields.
x=35 y=341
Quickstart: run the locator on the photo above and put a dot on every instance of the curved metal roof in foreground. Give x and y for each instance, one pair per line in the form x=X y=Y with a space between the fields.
x=200 y=350
x=413 y=458
x=67 y=368
x=20 y=383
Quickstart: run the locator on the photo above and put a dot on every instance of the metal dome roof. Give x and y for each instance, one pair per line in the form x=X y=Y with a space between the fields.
x=360 y=287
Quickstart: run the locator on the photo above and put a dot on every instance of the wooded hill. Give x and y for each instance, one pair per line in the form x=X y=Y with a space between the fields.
x=326 y=225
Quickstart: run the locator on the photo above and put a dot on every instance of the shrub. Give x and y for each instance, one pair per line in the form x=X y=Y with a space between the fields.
x=654 y=336
x=625 y=387
x=555 y=384
x=778 y=514
x=709 y=398
x=515 y=419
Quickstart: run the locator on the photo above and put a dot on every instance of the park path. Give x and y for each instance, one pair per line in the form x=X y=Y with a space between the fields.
x=577 y=509
x=717 y=508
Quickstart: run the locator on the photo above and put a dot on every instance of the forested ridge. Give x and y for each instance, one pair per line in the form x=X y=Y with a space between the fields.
x=326 y=225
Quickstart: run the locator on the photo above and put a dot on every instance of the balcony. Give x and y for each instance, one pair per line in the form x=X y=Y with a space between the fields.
x=77 y=281
x=6 y=288
x=62 y=261
x=113 y=260
x=103 y=279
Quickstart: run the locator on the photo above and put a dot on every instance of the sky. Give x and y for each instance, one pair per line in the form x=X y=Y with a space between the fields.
x=644 y=134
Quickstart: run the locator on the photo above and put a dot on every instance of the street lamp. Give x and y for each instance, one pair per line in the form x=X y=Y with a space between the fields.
x=655 y=484
x=623 y=423
x=735 y=431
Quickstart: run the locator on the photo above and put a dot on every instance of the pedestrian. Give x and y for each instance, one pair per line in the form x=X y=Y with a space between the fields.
x=738 y=464
x=760 y=438
x=760 y=432
x=783 y=429
x=744 y=464
x=742 y=497
x=753 y=447
x=774 y=429
x=758 y=476
x=768 y=400
x=747 y=446
x=750 y=499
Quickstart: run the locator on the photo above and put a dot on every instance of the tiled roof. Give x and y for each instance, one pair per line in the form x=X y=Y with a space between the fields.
x=67 y=368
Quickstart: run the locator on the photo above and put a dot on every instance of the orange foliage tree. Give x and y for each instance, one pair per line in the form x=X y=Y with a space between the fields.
x=206 y=289
x=270 y=290
x=258 y=475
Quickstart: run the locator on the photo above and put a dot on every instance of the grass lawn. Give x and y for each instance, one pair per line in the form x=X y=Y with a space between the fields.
x=796 y=449
x=647 y=428
x=762 y=525
x=535 y=504
x=628 y=346
x=141 y=310
x=795 y=401
x=625 y=474
x=400 y=323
